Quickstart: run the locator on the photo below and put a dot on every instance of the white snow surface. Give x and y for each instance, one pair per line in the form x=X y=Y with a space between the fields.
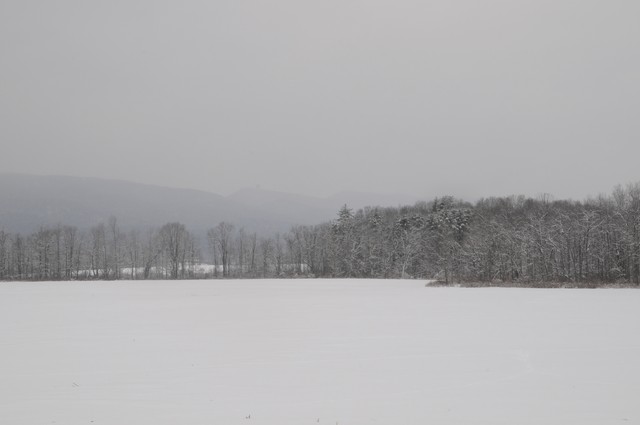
x=316 y=351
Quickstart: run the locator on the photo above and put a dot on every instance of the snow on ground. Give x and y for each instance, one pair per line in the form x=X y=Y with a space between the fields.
x=316 y=351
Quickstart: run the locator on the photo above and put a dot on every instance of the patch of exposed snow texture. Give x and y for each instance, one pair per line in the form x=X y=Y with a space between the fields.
x=316 y=351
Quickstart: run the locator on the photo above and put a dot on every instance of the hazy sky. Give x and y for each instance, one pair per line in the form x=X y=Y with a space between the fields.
x=467 y=97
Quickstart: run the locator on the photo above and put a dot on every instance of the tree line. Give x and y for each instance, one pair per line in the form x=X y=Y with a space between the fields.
x=503 y=239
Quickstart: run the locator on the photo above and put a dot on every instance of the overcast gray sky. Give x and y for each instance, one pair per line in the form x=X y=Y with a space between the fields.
x=467 y=97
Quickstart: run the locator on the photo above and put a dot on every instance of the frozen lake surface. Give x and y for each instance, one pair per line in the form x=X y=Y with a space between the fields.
x=316 y=351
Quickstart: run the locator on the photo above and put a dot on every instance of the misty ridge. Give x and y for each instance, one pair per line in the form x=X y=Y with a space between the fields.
x=30 y=201
x=82 y=228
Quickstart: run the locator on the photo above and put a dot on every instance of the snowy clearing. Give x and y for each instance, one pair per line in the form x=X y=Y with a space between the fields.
x=316 y=351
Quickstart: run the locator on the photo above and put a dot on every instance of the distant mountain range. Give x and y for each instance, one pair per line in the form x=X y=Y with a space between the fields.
x=28 y=202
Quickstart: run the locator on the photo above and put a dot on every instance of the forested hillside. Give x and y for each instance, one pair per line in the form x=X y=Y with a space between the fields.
x=510 y=239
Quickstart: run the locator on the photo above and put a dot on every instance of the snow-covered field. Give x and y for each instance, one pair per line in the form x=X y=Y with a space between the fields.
x=316 y=351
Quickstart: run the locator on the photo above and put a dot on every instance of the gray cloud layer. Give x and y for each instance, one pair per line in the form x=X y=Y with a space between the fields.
x=468 y=97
